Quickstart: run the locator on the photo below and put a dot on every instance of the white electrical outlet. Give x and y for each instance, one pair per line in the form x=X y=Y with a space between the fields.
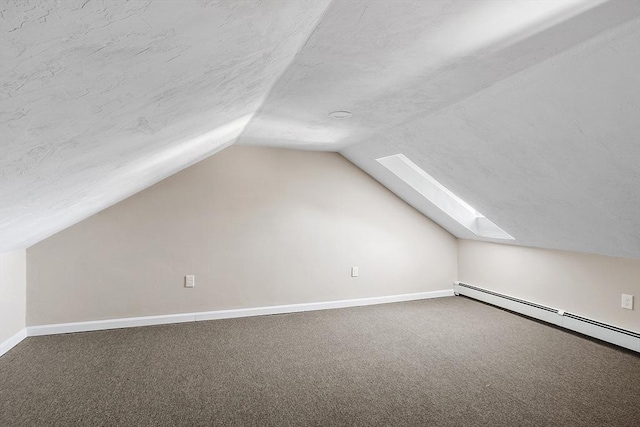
x=627 y=301
x=189 y=281
x=354 y=271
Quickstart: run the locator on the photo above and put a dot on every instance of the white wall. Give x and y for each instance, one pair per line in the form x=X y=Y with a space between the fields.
x=583 y=284
x=13 y=282
x=257 y=226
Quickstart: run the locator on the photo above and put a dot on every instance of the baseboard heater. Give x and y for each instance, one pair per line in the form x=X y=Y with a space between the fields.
x=612 y=334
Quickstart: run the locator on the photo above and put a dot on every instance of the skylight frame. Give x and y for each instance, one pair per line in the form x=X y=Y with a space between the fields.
x=443 y=198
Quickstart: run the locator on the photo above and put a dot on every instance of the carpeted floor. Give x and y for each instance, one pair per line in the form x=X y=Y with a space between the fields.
x=441 y=362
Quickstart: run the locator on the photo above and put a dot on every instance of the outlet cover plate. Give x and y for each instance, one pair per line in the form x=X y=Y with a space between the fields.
x=627 y=302
x=189 y=281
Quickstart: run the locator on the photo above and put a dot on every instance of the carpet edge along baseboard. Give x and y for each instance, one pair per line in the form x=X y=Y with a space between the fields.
x=132 y=322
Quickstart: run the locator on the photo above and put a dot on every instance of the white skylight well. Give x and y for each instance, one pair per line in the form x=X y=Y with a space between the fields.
x=441 y=197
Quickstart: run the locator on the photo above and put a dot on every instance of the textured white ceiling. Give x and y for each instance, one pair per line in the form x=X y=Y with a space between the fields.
x=551 y=154
x=531 y=115
x=100 y=99
x=538 y=130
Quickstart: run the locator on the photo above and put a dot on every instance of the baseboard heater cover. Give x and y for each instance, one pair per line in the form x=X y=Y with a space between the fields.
x=593 y=328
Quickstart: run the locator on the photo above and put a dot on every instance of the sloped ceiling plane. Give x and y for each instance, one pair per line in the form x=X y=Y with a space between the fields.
x=527 y=110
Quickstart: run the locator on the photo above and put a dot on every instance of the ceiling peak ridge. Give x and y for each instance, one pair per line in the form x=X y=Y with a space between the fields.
x=256 y=113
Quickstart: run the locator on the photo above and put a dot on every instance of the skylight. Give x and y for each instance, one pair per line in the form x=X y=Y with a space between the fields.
x=440 y=196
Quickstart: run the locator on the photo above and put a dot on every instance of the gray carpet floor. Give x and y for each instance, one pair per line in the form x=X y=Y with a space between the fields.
x=441 y=362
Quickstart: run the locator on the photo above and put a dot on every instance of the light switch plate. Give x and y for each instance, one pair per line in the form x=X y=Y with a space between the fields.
x=354 y=271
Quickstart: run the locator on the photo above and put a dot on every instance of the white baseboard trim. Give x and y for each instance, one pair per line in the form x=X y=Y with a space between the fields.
x=602 y=331
x=8 y=344
x=98 y=325
x=296 y=308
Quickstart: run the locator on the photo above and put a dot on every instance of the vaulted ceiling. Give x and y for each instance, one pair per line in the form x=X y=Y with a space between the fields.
x=528 y=110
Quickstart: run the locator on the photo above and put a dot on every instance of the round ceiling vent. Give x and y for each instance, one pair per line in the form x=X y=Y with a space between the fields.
x=340 y=114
